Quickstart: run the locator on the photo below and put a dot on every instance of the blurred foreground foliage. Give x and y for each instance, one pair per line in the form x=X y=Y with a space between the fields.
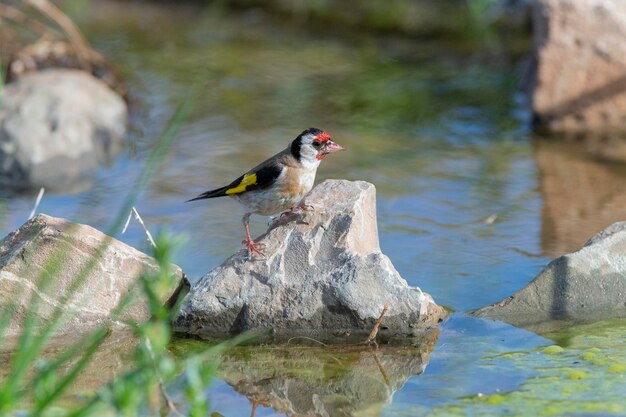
x=38 y=386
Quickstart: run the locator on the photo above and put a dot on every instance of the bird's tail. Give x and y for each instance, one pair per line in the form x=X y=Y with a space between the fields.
x=218 y=192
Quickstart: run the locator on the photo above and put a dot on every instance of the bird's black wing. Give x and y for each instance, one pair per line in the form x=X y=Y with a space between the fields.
x=262 y=176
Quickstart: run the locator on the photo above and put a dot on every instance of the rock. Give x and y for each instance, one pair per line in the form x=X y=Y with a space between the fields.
x=323 y=381
x=56 y=126
x=324 y=276
x=47 y=256
x=580 y=49
x=583 y=286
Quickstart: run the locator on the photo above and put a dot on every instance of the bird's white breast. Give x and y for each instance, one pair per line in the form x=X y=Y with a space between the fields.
x=307 y=179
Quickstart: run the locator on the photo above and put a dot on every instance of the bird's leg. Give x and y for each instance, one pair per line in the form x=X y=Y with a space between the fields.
x=252 y=246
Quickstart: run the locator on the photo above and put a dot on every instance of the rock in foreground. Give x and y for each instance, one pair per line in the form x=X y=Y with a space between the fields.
x=580 y=49
x=47 y=256
x=324 y=274
x=56 y=126
x=587 y=285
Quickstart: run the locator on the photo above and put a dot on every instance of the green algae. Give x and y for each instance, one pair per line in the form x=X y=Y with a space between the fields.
x=578 y=375
x=590 y=354
x=584 y=376
x=494 y=399
x=553 y=350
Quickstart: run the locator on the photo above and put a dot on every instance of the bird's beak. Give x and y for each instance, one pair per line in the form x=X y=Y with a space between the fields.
x=333 y=147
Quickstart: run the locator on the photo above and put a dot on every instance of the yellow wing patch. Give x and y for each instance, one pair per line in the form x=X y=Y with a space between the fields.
x=248 y=179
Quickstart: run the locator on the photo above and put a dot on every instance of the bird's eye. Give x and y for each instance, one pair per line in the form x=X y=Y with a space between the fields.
x=317 y=144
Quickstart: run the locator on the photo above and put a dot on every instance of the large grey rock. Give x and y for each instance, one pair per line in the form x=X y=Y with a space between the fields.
x=586 y=285
x=580 y=48
x=47 y=257
x=56 y=126
x=327 y=275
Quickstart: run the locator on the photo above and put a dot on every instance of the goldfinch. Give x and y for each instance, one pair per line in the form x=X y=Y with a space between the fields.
x=280 y=183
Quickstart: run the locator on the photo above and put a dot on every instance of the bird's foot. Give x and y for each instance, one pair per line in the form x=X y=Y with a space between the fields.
x=253 y=247
x=299 y=209
x=283 y=217
x=303 y=207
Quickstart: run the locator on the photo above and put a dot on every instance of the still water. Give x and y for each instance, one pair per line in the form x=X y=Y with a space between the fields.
x=470 y=205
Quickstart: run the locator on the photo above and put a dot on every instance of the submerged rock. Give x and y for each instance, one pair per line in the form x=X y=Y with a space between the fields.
x=56 y=126
x=583 y=286
x=324 y=273
x=580 y=49
x=51 y=263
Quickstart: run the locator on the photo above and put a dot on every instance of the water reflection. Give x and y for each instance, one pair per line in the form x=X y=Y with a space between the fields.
x=323 y=380
x=583 y=186
x=110 y=361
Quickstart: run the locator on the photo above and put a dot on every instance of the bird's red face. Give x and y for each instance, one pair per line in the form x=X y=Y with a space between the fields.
x=324 y=145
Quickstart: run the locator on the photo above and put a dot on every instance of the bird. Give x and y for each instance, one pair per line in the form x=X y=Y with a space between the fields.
x=280 y=183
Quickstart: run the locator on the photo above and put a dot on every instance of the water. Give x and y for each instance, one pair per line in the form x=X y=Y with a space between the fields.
x=470 y=205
